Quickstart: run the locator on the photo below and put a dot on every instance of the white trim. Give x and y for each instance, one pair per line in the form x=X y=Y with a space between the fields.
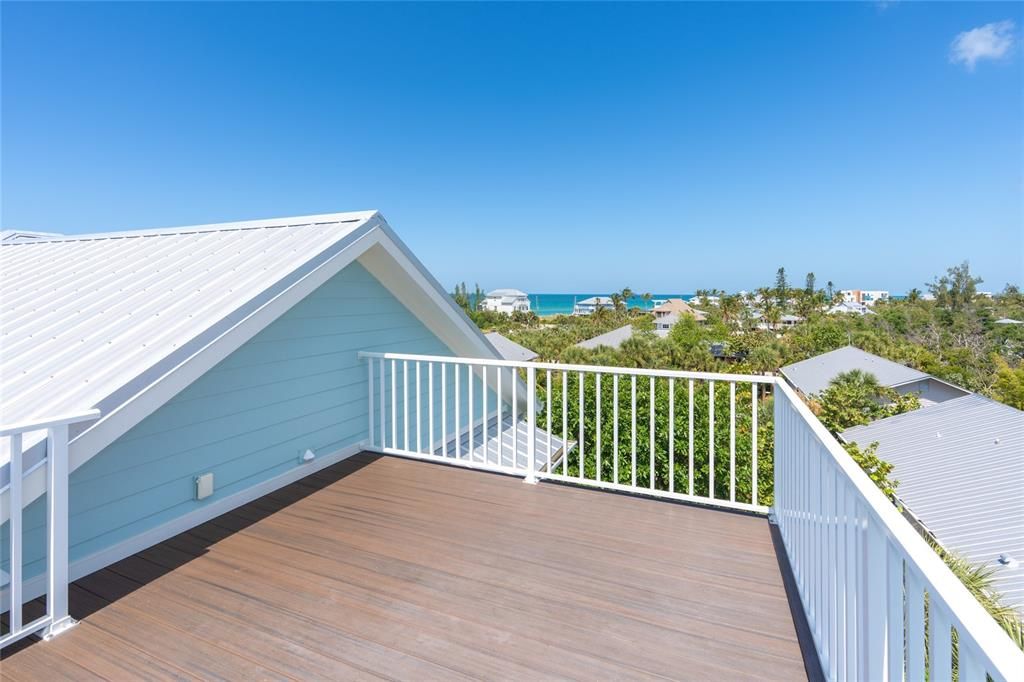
x=36 y=586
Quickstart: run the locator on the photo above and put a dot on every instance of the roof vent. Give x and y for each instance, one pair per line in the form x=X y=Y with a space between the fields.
x=1007 y=560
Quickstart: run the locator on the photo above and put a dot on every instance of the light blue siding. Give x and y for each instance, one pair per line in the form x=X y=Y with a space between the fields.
x=296 y=385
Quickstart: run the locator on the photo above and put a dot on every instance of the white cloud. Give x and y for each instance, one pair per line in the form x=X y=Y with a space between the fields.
x=991 y=41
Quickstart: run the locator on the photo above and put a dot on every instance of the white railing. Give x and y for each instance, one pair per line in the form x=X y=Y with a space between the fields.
x=880 y=603
x=56 y=618
x=682 y=435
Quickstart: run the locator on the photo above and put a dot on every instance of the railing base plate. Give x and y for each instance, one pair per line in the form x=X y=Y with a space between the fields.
x=62 y=625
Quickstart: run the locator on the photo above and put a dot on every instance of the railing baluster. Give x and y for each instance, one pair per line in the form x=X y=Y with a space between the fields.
x=650 y=437
x=483 y=415
x=383 y=414
x=732 y=441
x=615 y=428
x=405 y=404
x=753 y=443
x=371 y=427
x=547 y=411
x=632 y=430
x=444 y=410
x=582 y=458
x=940 y=649
x=671 y=435
x=458 y=415
x=430 y=407
x=690 y=470
x=515 y=419
x=597 y=406
x=915 y=628
x=499 y=424
x=895 y=604
x=419 y=410
x=470 y=454
x=394 y=405
x=531 y=424
x=711 y=440
x=565 y=423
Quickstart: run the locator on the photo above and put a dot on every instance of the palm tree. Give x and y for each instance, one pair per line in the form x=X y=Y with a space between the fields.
x=617 y=302
x=646 y=298
x=730 y=306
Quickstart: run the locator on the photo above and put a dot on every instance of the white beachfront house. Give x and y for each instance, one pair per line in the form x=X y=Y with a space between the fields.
x=868 y=297
x=589 y=305
x=506 y=301
x=221 y=450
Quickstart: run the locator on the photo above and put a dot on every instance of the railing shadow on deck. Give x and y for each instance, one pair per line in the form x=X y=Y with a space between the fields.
x=96 y=591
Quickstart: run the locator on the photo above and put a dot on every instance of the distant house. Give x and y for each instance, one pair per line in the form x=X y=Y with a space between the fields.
x=785 y=321
x=509 y=349
x=961 y=466
x=676 y=307
x=850 y=308
x=668 y=321
x=506 y=301
x=868 y=297
x=812 y=376
x=589 y=305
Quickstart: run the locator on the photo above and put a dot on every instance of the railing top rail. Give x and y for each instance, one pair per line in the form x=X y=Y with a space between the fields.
x=942 y=584
x=40 y=423
x=563 y=367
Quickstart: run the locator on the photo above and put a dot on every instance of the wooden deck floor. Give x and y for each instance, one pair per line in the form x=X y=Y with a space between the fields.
x=391 y=568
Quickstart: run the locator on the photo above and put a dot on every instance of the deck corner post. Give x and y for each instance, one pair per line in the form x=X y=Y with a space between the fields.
x=57 y=508
x=531 y=423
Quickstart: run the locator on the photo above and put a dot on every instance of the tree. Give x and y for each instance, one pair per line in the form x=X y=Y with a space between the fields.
x=855 y=397
x=617 y=302
x=646 y=298
x=809 y=284
x=914 y=295
x=730 y=306
x=1009 y=384
x=831 y=290
x=461 y=296
x=955 y=291
x=781 y=288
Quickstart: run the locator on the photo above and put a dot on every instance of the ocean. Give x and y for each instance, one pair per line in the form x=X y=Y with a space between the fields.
x=562 y=304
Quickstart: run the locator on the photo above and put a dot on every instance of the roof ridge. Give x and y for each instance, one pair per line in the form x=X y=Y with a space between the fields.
x=232 y=226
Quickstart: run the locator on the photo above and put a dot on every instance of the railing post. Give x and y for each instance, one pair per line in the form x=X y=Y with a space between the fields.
x=531 y=424
x=57 y=551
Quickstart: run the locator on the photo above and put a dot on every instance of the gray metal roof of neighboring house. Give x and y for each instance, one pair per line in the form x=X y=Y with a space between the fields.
x=960 y=465
x=509 y=349
x=615 y=337
x=814 y=374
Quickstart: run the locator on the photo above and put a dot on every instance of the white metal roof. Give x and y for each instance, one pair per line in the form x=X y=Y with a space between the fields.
x=960 y=464
x=500 y=293
x=596 y=300
x=814 y=374
x=82 y=316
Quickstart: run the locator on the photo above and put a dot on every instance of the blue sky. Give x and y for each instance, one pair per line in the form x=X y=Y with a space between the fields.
x=569 y=147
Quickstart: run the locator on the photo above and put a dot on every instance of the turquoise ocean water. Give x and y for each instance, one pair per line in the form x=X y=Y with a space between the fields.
x=562 y=304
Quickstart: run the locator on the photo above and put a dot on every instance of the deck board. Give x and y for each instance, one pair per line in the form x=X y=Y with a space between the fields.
x=381 y=567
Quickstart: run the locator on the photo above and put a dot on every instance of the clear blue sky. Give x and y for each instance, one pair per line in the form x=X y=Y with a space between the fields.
x=553 y=148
